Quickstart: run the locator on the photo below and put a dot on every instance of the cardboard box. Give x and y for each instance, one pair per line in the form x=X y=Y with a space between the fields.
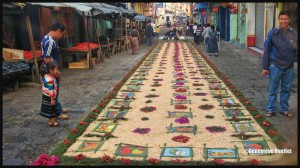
x=15 y=53
x=78 y=65
x=6 y=55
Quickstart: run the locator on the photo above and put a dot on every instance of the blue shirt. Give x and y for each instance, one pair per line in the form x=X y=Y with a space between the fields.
x=280 y=48
x=50 y=49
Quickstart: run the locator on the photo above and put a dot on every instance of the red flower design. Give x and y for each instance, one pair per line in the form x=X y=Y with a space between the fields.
x=79 y=157
x=154 y=160
x=235 y=118
x=272 y=132
x=180 y=107
x=255 y=162
x=45 y=160
x=82 y=122
x=179 y=161
x=258 y=116
x=242 y=98
x=106 y=158
x=253 y=109
x=67 y=142
x=181 y=138
x=266 y=123
x=101 y=104
x=74 y=130
x=91 y=115
x=96 y=111
x=125 y=161
x=219 y=161
x=181 y=90
x=247 y=102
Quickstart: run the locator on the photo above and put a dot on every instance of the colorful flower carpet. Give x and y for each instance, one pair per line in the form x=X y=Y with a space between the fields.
x=173 y=107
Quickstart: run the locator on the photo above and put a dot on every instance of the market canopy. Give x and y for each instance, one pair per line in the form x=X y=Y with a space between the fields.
x=140 y=18
x=87 y=8
x=122 y=11
x=80 y=7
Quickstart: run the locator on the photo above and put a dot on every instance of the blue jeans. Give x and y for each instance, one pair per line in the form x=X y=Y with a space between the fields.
x=206 y=44
x=149 y=40
x=157 y=35
x=282 y=78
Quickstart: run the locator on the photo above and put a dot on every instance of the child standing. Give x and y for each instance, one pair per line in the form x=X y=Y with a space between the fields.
x=49 y=89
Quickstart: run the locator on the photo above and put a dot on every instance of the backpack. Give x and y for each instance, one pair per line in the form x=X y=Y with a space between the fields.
x=134 y=33
x=149 y=31
x=212 y=33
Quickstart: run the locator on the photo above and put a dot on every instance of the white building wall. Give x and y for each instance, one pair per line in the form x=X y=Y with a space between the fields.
x=250 y=19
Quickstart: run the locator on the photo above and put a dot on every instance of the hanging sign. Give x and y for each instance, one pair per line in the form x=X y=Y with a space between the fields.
x=215 y=9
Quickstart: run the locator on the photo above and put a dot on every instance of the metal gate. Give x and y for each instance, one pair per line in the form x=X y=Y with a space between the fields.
x=259 y=24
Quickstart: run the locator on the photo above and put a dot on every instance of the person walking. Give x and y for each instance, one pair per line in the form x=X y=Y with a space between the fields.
x=198 y=34
x=187 y=30
x=50 y=52
x=134 y=40
x=154 y=30
x=49 y=96
x=148 y=33
x=205 y=35
x=195 y=27
x=213 y=41
x=280 y=53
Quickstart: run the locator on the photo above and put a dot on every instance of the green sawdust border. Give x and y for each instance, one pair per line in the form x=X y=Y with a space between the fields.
x=61 y=148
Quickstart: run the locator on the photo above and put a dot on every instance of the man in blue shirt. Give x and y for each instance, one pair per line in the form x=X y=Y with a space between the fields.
x=50 y=52
x=280 y=53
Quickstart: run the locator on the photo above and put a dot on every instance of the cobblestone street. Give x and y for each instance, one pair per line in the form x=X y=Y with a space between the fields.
x=26 y=134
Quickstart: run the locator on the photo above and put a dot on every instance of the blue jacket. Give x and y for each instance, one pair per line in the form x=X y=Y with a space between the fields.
x=280 y=48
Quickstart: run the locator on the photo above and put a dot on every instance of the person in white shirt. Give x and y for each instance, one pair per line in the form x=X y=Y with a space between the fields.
x=205 y=35
x=195 y=27
x=187 y=30
x=154 y=29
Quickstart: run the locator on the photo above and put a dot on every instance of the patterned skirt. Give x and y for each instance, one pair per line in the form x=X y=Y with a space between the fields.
x=48 y=110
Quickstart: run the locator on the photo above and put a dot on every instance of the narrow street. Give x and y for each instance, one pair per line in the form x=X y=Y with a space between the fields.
x=26 y=134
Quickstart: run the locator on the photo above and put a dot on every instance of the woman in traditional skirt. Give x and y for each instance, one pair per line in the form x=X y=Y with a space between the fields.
x=49 y=107
x=213 y=41
x=134 y=40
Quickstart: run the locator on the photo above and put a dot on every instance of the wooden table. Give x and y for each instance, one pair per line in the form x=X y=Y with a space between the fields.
x=66 y=51
x=127 y=43
x=123 y=43
x=33 y=68
x=108 y=49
